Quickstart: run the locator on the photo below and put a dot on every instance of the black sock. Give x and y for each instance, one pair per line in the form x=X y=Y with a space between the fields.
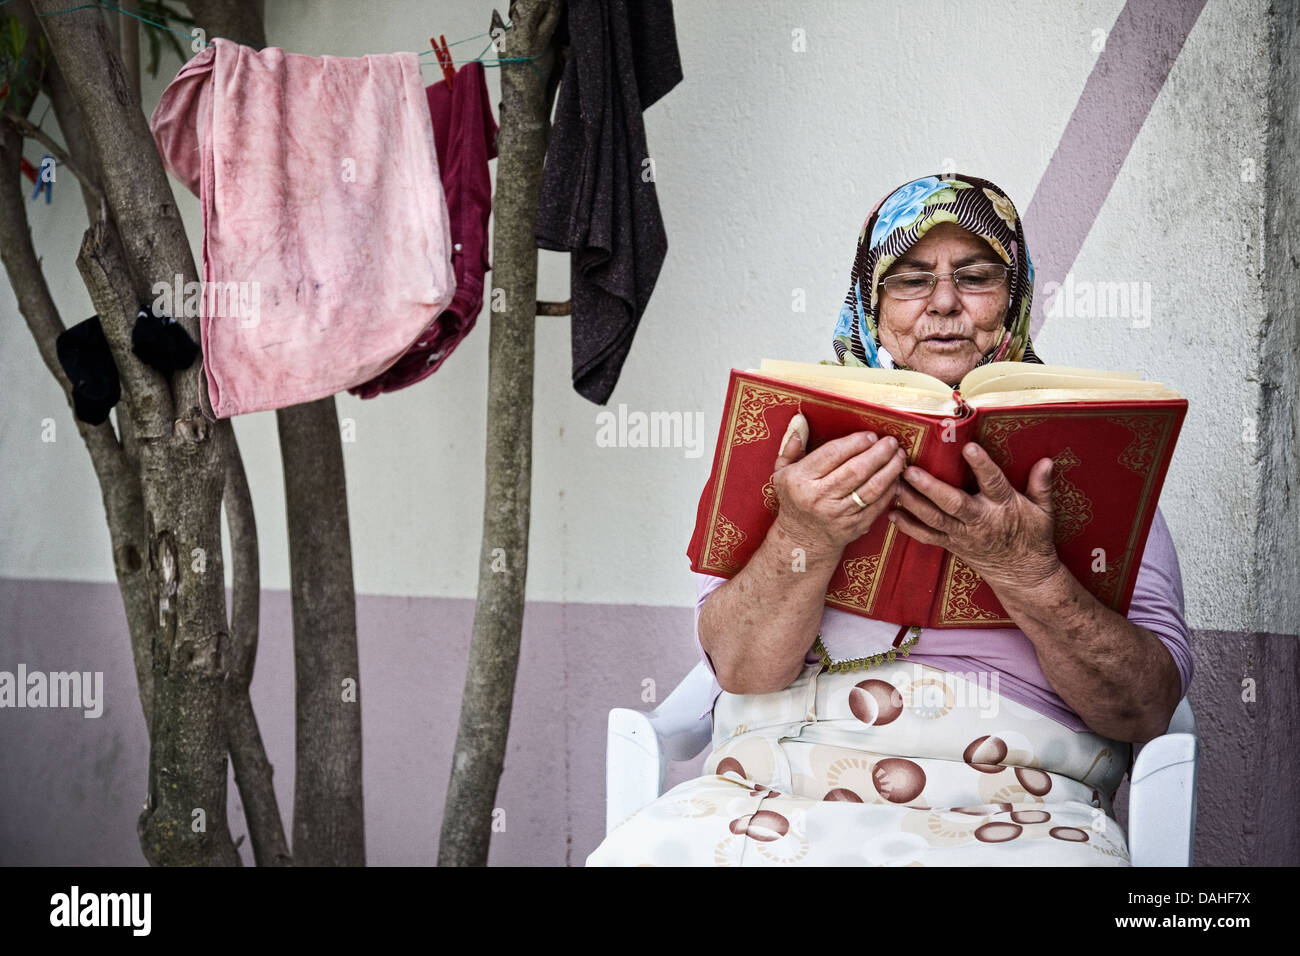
x=84 y=354
x=161 y=342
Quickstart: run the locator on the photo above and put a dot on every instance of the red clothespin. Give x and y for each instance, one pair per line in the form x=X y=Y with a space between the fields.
x=444 y=57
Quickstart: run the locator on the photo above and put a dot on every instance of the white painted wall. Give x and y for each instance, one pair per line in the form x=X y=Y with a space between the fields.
x=767 y=162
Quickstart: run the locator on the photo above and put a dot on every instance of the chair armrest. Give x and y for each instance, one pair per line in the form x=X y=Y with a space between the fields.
x=1162 y=795
x=640 y=745
x=1183 y=722
x=677 y=721
x=634 y=765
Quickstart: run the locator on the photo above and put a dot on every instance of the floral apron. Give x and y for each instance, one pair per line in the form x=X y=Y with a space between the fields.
x=913 y=766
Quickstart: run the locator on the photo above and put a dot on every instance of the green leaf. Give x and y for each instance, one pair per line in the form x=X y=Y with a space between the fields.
x=155 y=52
x=168 y=19
x=169 y=14
x=176 y=48
x=18 y=34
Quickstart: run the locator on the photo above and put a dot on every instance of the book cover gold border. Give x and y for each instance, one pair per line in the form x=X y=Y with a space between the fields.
x=1164 y=418
x=910 y=434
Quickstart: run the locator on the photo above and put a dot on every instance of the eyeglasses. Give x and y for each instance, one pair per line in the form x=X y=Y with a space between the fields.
x=978 y=278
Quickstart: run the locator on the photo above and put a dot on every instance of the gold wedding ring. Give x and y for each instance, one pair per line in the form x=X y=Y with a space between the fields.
x=860 y=503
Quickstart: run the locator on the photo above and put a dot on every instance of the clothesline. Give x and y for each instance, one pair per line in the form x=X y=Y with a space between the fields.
x=590 y=147
x=112 y=7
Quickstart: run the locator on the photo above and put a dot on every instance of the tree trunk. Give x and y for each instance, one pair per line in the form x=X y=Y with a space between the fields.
x=503 y=564
x=241 y=20
x=181 y=471
x=328 y=817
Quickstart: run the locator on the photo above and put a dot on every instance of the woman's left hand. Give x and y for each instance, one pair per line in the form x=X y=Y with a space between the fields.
x=1006 y=537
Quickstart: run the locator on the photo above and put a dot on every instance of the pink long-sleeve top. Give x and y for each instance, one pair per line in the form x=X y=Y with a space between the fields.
x=1157 y=605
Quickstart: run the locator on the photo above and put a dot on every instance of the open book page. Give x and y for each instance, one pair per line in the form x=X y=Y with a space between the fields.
x=1051 y=396
x=998 y=384
x=896 y=388
x=1003 y=384
x=891 y=396
x=983 y=378
x=902 y=378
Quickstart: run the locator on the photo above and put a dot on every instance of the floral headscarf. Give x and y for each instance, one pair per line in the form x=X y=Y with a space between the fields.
x=896 y=224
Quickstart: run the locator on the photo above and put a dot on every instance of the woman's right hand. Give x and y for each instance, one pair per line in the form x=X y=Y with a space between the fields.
x=816 y=510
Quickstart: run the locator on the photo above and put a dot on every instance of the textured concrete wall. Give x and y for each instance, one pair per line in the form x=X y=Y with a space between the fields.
x=767 y=160
x=1277 y=513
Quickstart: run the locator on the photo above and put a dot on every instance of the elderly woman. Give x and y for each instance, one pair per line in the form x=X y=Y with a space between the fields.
x=956 y=746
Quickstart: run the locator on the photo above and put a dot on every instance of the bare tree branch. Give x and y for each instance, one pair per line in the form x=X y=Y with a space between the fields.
x=79 y=147
x=24 y=126
x=252 y=769
x=555 y=308
x=128 y=38
x=104 y=270
x=69 y=118
x=119 y=486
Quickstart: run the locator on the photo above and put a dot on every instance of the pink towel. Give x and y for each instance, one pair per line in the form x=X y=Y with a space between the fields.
x=326 y=241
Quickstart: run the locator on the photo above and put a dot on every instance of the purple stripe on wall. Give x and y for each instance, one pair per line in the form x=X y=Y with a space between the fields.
x=1130 y=72
x=71 y=787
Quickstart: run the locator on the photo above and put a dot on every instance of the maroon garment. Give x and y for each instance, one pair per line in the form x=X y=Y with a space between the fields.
x=464 y=134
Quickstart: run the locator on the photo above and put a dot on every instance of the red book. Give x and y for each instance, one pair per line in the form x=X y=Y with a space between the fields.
x=1110 y=435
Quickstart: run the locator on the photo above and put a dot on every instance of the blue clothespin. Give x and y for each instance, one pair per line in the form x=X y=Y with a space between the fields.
x=47 y=162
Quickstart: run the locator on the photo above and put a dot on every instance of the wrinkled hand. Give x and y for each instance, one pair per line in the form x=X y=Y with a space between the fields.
x=1006 y=537
x=814 y=490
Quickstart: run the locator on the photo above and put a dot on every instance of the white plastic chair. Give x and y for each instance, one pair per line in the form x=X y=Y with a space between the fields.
x=1162 y=785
